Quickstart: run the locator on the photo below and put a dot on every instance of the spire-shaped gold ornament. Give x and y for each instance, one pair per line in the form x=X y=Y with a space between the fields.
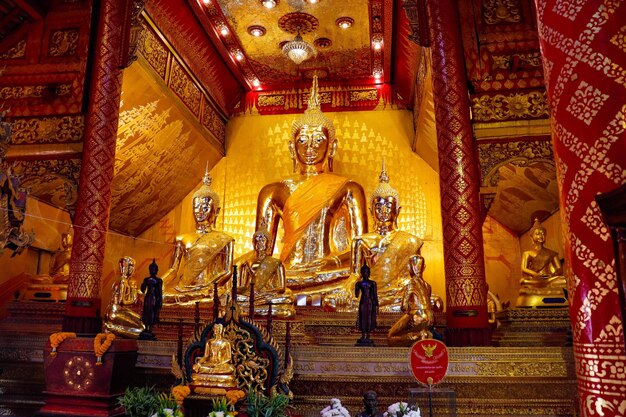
x=385 y=190
x=313 y=115
x=205 y=190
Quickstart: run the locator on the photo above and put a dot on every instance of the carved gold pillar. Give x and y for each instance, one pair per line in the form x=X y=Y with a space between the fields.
x=459 y=181
x=91 y=222
x=584 y=57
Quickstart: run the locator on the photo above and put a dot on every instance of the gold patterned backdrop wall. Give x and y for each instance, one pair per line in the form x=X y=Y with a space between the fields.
x=257 y=154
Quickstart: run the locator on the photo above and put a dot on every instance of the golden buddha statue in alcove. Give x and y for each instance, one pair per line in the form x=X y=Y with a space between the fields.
x=270 y=284
x=53 y=285
x=215 y=368
x=386 y=250
x=543 y=283
x=119 y=317
x=201 y=257
x=320 y=211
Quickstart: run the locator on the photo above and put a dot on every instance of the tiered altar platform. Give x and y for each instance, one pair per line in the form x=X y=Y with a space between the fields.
x=489 y=381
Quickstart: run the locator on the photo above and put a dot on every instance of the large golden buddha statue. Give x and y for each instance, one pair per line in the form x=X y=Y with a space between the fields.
x=321 y=212
x=119 y=318
x=201 y=257
x=270 y=285
x=215 y=368
x=418 y=316
x=386 y=250
x=543 y=283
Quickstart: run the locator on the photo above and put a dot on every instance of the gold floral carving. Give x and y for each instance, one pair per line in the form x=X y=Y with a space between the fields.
x=15 y=52
x=212 y=121
x=365 y=95
x=510 y=107
x=63 y=43
x=154 y=52
x=493 y=155
x=48 y=130
x=270 y=100
x=528 y=60
x=54 y=181
x=501 y=11
x=33 y=91
x=184 y=87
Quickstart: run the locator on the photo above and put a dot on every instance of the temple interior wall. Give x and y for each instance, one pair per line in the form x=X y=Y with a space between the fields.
x=257 y=154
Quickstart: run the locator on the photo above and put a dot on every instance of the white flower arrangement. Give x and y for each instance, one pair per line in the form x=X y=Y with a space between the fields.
x=335 y=409
x=402 y=409
x=220 y=414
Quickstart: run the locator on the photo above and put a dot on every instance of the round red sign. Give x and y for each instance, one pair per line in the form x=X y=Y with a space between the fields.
x=429 y=361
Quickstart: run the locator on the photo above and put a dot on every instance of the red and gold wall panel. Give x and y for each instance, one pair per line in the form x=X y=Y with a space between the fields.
x=584 y=52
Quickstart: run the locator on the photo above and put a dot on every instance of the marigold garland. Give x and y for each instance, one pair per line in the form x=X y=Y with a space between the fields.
x=180 y=392
x=235 y=395
x=101 y=343
x=57 y=338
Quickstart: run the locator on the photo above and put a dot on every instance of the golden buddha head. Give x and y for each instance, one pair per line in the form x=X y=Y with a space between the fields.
x=127 y=266
x=206 y=203
x=385 y=203
x=261 y=240
x=538 y=233
x=313 y=141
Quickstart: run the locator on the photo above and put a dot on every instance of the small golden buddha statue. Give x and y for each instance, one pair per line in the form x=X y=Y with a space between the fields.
x=268 y=275
x=418 y=316
x=543 y=283
x=386 y=250
x=53 y=285
x=215 y=369
x=119 y=318
x=321 y=212
x=201 y=257
x=59 y=270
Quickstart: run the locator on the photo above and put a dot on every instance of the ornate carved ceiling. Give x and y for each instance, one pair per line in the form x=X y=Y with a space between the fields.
x=344 y=55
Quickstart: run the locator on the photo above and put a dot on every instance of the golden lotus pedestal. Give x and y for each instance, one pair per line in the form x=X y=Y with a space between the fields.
x=213 y=385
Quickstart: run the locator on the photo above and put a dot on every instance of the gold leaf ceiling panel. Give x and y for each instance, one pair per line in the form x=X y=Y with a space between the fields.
x=161 y=153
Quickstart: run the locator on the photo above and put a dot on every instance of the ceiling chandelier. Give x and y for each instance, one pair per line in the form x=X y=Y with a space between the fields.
x=298 y=23
x=298 y=50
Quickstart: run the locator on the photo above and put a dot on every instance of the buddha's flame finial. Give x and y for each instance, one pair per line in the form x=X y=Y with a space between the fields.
x=314 y=98
x=383 y=174
x=207 y=180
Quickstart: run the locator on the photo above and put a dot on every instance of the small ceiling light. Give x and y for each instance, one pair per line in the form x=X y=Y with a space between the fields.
x=313 y=1
x=223 y=29
x=238 y=55
x=322 y=43
x=256 y=30
x=344 y=22
x=270 y=4
x=206 y=2
x=378 y=74
x=256 y=83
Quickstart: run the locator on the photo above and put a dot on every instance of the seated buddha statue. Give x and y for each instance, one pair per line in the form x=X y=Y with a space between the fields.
x=386 y=250
x=53 y=285
x=543 y=283
x=215 y=368
x=418 y=316
x=119 y=318
x=268 y=276
x=321 y=212
x=202 y=257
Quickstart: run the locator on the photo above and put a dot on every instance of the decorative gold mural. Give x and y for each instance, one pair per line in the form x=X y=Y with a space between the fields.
x=161 y=153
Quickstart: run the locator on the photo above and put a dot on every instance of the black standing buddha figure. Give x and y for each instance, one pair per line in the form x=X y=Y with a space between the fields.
x=368 y=306
x=152 y=289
